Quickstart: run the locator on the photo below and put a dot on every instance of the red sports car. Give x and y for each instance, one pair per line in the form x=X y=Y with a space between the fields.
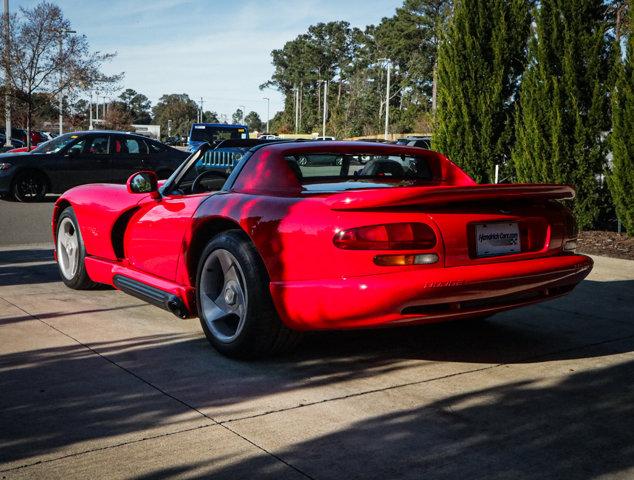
x=260 y=251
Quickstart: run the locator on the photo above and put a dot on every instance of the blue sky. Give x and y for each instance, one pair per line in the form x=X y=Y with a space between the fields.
x=215 y=49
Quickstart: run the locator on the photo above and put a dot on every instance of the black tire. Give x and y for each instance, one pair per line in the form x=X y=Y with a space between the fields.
x=30 y=186
x=79 y=279
x=262 y=332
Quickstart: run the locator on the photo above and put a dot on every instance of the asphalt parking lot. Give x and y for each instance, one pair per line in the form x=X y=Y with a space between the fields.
x=99 y=385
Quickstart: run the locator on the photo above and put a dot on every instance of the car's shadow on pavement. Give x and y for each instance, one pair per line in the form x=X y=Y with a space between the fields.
x=26 y=255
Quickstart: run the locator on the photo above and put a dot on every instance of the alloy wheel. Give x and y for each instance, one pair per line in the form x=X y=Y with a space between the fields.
x=223 y=295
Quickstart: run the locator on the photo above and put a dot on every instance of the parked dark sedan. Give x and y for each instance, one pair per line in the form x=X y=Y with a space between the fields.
x=83 y=157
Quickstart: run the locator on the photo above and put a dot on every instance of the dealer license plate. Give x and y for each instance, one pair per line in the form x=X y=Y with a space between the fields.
x=497 y=239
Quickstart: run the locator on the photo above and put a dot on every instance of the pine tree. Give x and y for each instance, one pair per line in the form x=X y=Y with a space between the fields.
x=480 y=59
x=621 y=177
x=563 y=116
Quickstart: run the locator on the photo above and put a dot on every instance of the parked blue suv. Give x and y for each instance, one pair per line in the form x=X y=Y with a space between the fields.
x=213 y=132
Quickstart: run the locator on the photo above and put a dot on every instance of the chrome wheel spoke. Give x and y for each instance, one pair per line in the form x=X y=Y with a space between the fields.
x=217 y=310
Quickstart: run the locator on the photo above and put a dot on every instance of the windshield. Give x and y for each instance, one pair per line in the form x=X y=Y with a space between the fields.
x=215 y=164
x=57 y=144
x=209 y=133
x=380 y=170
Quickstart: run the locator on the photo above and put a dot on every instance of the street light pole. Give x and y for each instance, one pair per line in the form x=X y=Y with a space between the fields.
x=268 y=104
x=7 y=74
x=61 y=79
x=387 y=101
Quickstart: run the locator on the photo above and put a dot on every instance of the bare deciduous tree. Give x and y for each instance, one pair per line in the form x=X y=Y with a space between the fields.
x=44 y=57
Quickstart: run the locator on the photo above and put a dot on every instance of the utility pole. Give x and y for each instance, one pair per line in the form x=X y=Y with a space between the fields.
x=268 y=104
x=296 y=90
x=201 y=110
x=90 y=110
x=7 y=79
x=387 y=101
x=323 y=122
x=61 y=79
x=299 y=103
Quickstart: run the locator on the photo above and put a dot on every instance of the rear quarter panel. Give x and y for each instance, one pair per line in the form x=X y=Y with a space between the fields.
x=294 y=235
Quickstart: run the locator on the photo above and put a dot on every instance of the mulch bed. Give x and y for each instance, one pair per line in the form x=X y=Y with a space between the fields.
x=608 y=244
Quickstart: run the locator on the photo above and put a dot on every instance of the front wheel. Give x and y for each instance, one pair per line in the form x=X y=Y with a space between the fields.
x=234 y=304
x=71 y=252
x=29 y=187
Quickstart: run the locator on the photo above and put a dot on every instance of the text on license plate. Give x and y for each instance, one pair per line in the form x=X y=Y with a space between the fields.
x=497 y=239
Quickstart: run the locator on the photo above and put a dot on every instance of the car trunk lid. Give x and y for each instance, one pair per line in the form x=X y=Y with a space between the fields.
x=526 y=213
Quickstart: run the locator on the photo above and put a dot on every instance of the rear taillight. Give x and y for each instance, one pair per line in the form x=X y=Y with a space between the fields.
x=391 y=236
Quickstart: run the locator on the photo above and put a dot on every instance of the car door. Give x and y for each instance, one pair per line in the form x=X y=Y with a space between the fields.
x=86 y=160
x=154 y=237
x=153 y=241
x=129 y=155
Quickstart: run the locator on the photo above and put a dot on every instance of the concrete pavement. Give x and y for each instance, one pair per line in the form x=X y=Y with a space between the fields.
x=98 y=384
x=26 y=223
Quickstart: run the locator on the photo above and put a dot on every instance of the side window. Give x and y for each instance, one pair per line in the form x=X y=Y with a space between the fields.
x=98 y=146
x=77 y=147
x=135 y=147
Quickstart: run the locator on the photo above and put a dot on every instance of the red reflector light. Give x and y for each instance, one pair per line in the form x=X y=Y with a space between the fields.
x=391 y=236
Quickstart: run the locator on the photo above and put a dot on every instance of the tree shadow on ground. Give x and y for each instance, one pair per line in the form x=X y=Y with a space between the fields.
x=580 y=427
x=63 y=396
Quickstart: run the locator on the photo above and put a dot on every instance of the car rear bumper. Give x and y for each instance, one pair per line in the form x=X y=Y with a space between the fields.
x=422 y=296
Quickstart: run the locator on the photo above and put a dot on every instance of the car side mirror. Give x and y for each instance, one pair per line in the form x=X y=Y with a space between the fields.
x=144 y=182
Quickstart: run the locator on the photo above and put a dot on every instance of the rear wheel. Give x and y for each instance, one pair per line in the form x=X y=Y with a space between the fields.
x=71 y=252
x=234 y=305
x=29 y=187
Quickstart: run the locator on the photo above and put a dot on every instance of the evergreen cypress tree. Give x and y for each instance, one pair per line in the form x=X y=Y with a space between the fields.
x=480 y=59
x=621 y=178
x=563 y=114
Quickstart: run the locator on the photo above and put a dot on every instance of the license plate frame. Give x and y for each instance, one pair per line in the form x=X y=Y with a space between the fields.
x=497 y=238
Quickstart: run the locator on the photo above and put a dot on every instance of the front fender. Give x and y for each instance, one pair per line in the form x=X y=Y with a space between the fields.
x=97 y=208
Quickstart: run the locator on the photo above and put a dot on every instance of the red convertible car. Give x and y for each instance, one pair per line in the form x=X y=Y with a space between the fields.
x=266 y=248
